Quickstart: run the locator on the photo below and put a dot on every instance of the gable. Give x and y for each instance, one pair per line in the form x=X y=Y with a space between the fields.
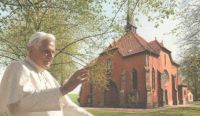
x=159 y=47
x=167 y=56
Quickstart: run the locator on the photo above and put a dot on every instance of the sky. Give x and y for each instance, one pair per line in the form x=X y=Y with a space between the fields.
x=162 y=34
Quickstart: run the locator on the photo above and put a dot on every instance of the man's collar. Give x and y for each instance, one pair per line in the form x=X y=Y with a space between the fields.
x=37 y=67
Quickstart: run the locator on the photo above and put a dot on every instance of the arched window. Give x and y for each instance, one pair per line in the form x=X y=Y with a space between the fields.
x=109 y=66
x=165 y=77
x=123 y=81
x=134 y=78
x=153 y=79
x=174 y=82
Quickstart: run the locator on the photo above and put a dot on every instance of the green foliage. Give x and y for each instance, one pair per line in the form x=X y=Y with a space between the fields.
x=155 y=10
x=72 y=22
x=190 y=70
x=98 y=75
x=188 y=28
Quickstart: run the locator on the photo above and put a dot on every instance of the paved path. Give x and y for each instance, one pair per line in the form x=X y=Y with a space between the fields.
x=132 y=110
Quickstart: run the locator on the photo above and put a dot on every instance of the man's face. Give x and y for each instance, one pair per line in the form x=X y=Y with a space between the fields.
x=44 y=54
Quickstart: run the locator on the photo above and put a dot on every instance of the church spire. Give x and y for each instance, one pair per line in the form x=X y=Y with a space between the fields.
x=130 y=26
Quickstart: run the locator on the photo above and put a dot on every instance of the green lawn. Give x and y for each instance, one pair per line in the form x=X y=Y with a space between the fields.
x=3 y=114
x=74 y=98
x=193 y=110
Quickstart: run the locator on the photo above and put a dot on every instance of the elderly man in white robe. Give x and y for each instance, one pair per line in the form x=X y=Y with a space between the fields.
x=28 y=89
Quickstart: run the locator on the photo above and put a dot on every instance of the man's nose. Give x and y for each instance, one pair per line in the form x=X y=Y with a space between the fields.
x=51 y=55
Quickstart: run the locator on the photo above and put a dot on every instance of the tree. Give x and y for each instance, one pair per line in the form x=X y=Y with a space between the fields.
x=188 y=29
x=81 y=27
x=98 y=74
x=190 y=70
x=188 y=32
x=70 y=21
x=154 y=10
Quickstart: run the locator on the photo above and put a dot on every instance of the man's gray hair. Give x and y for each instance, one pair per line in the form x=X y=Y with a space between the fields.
x=36 y=38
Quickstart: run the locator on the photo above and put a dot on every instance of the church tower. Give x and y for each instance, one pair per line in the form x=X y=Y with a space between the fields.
x=130 y=26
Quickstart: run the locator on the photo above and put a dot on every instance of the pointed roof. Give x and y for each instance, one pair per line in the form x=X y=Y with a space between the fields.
x=132 y=43
x=157 y=46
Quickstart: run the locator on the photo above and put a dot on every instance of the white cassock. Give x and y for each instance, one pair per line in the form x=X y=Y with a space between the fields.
x=28 y=90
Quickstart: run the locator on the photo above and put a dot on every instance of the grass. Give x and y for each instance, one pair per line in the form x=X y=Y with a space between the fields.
x=3 y=114
x=193 y=110
x=74 y=98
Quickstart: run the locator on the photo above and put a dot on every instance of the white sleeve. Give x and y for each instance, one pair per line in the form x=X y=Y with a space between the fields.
x=17 y=93
x=47 y=100
x=71 y=109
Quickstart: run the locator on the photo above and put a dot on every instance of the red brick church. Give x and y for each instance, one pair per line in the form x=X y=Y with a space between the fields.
x=140 y=73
